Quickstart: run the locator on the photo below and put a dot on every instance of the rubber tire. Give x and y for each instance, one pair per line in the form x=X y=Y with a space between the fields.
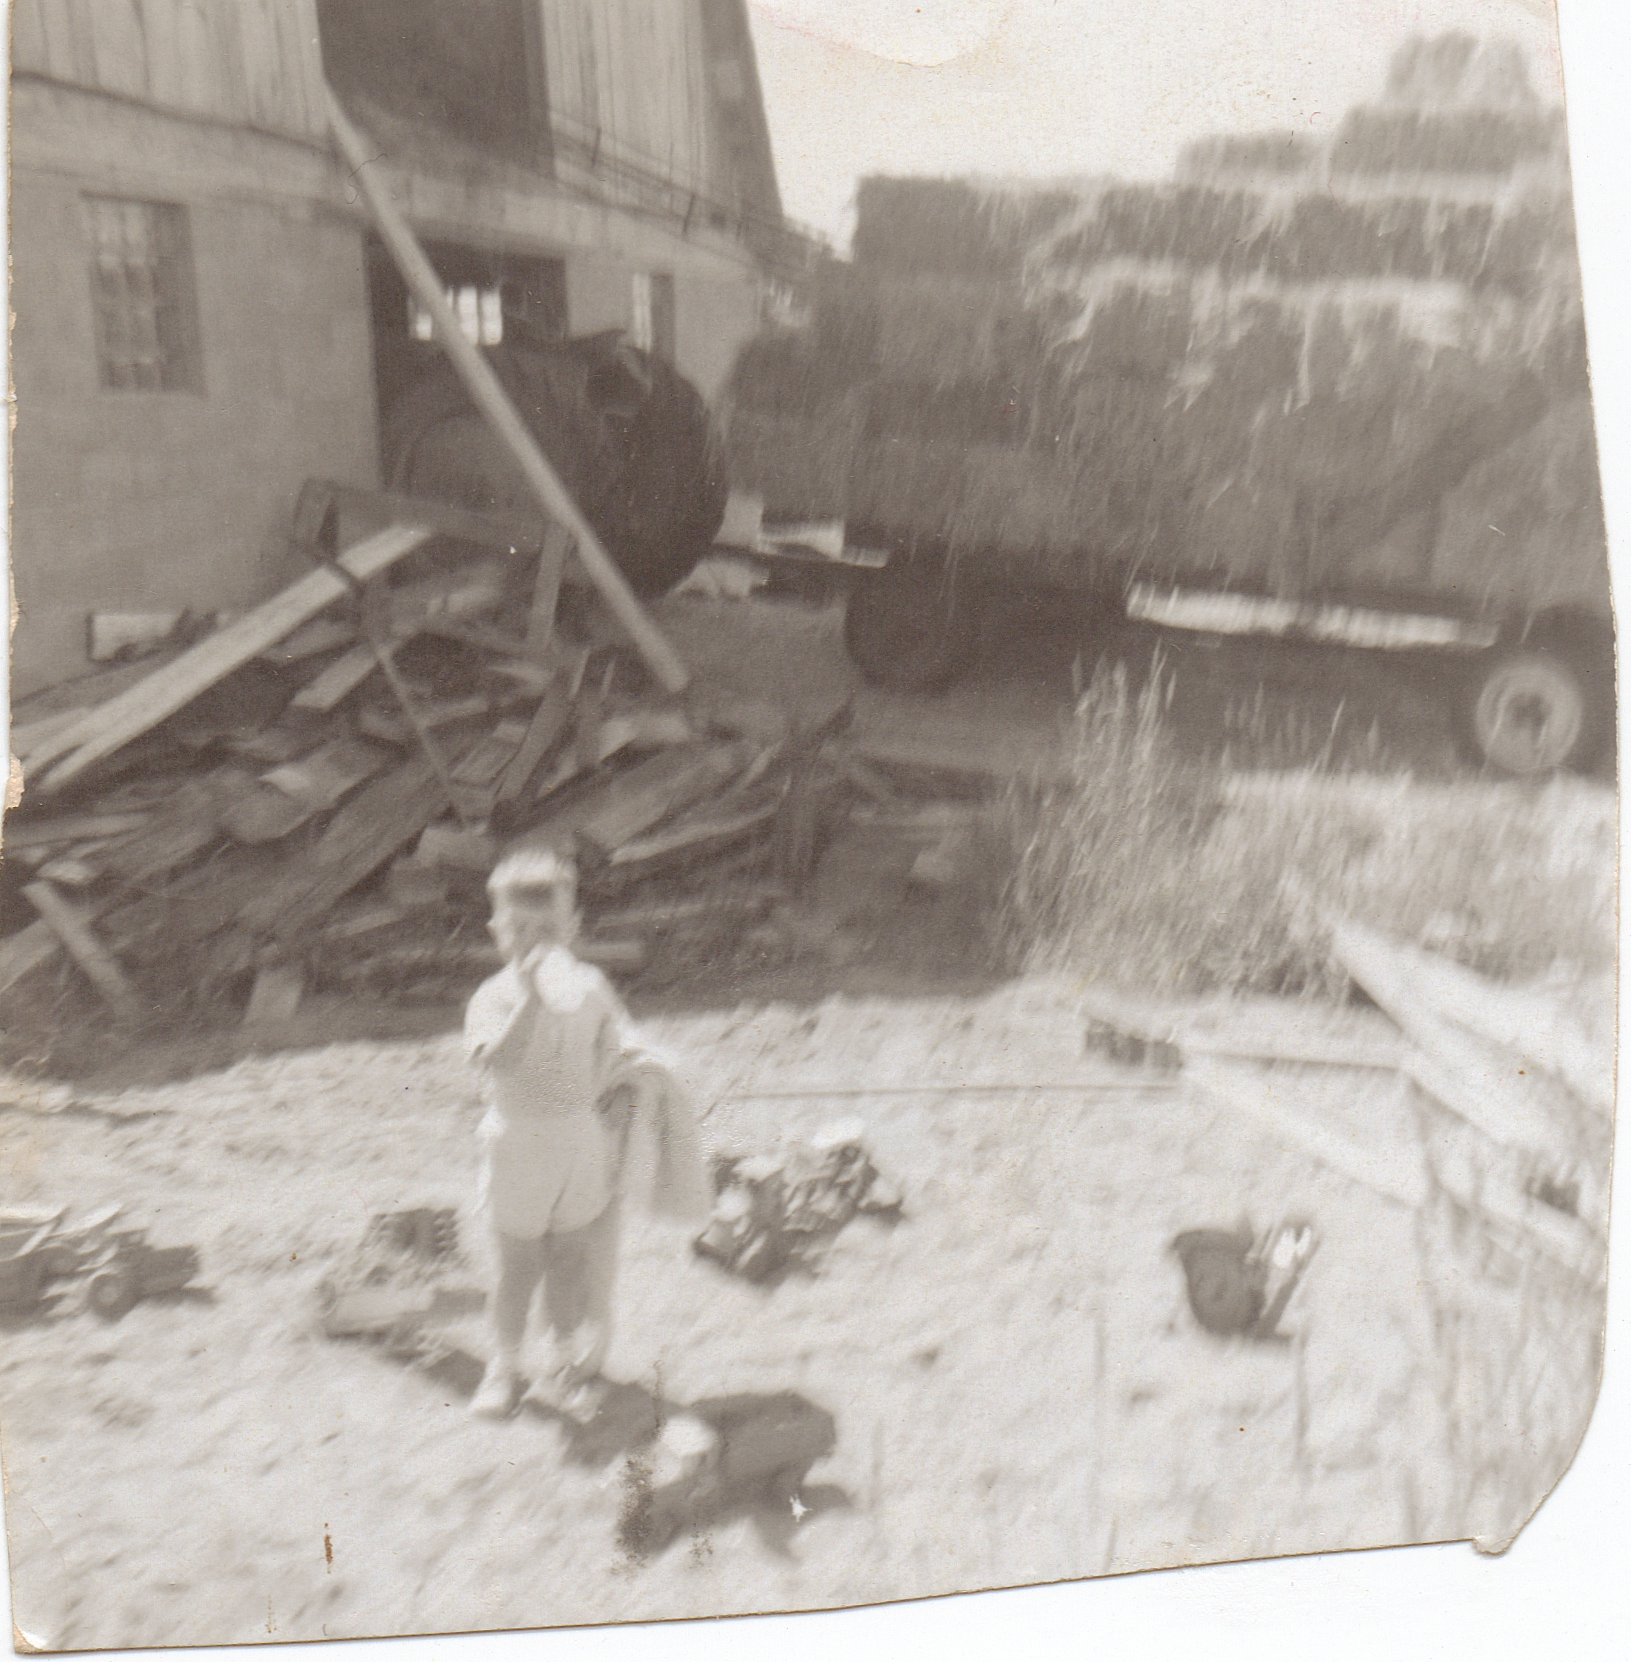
x=113 y=1292
x=647 y=470
x=910 y=629
x=1565 y=732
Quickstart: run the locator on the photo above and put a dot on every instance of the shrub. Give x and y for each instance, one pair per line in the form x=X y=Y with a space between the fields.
x=1145 y=868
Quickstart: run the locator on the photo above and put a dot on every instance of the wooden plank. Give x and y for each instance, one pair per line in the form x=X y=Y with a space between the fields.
x=694 y=836
x=275 y=744
x=458 y=848
x=393 y=728
x=1400 y=1172
x=290 y=795
x=321 y=635
x=1484 y=1086
x=188 y=823
x=70 y=828
x=865 y=778
x=361 y=837
x=650 y=792
x=275 y=995
x=342 y=677
x=328 y=773
x=31 y=948
x=1253 y=1031
x=1397 y=1171
x=511 y=533
x=666 y=914
x=35 y=733
x=71 y=925
x=70 y=872
x=489 y=758
x=548 y=722
x=546 y=592
x=84 y=693
x=162 y=693
x=494 y=403
x=193 y=907
x=1522 y=1020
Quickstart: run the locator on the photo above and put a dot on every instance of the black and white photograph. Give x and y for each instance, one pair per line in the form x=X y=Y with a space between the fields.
x=811 y=803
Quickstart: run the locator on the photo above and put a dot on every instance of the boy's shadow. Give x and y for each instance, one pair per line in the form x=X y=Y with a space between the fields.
x=767 y=1443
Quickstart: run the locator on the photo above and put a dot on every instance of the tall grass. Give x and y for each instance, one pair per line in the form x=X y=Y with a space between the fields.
x=1144 y=867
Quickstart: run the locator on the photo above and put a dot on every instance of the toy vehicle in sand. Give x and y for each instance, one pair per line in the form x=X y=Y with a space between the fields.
x=114 y=1269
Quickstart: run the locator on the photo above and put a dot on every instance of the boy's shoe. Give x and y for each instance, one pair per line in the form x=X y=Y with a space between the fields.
x=498 y=1394
x=583 y=1399
x=569 y=1392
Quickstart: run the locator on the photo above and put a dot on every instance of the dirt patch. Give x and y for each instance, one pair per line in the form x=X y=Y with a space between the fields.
x=1018 y=1390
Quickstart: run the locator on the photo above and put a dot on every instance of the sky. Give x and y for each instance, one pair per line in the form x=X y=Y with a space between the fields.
x=1049 y=87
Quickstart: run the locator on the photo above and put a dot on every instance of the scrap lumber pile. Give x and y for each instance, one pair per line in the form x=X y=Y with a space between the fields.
x=313 y=795
x=1347 y=361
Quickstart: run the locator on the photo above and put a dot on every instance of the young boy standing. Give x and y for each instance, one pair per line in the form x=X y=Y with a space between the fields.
x=547 y=1032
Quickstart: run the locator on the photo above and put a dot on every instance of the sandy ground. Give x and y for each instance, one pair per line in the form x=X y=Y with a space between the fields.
x=1019 y=1390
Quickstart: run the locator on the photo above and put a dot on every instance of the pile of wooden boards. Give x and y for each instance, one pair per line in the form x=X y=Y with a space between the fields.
x=1516 y=1094
x=318 y=790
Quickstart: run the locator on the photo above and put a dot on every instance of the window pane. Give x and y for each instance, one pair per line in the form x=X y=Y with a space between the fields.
x=142 y=294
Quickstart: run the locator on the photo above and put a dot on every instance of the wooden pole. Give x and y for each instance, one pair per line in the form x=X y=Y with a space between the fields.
x=494 y=404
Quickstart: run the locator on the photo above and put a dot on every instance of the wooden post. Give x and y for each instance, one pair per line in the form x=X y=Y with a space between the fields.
x=494 y=403
x=546 y=592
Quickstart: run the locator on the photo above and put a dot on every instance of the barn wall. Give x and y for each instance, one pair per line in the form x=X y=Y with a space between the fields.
x=253 y=62
x=128 y=500
x=158 y=500
x=629 y=96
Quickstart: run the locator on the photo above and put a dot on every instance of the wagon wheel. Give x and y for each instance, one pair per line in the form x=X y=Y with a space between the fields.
x=113 y=1292
x=1529 y=713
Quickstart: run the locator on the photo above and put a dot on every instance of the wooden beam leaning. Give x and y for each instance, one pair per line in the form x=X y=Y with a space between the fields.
x=494 y=404
x=113 y=724
x=72 y=926
x=513 y=532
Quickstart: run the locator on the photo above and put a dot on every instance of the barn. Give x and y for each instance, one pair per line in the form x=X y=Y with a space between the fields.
x=204 y=318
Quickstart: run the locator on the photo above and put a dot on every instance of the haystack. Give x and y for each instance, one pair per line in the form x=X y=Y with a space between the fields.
x=1270 y=378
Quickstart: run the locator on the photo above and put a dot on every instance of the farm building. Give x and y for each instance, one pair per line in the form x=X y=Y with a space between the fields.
x=204 y=318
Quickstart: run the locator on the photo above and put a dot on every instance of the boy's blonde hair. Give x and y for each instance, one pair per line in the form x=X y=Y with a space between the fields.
x=530 y=878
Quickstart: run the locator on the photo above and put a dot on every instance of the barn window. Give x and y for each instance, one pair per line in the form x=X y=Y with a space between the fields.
x=480 y=311
x=144 y=296
x=652 y=325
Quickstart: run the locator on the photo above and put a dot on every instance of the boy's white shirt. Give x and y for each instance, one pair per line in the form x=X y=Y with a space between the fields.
x=551 y=976
x=674 y=1177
